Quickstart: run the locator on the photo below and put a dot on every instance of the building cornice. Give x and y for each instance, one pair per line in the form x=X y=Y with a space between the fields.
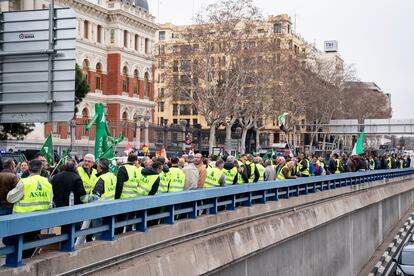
x=121 y=99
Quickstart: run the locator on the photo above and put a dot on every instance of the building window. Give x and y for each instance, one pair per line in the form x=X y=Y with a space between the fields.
x=98 y=77
x=162 y=35
x=112 y=36
x=195 y=111
x=126 y=39
x=162 y=50
x=125 y=79
x=136 y=81
x=146 y=76
x=85 y=69
x=161 y=107
x=161 y=93
x=277 y=28
x=86 y=29
x=195 y=122
x=175 y=122
x=185 y=109
x=146 y=46
x=288 y=28
x=290 y=44
x=175 y=109
x=136 y=42
x=99 y=34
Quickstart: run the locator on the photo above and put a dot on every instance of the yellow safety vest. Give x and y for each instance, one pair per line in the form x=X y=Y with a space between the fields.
x=338 y=166
x=300 y=166
x=213 y=178
x=280 y=176
x=109 y=180
x=230 y=175
x=129 y=188
x=177 y=180
x=261 y=171
x=252 y=170
x=389 y=165
x=37 y=195
x=87 y=180
x=145 y=184
x=372 y=164
x=165 y=178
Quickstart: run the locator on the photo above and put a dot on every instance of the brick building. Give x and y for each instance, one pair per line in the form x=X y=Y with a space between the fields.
x=114 y=46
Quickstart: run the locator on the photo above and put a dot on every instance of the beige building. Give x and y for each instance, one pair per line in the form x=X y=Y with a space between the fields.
x=169 y=40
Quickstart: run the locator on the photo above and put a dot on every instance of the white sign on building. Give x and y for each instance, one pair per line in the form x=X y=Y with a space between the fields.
x=331 y=46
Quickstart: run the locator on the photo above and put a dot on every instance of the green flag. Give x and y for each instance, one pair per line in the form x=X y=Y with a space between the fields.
x=273 y=152
x=65 y=156
x=47 y=150
x=359 y=146
x=110 y=155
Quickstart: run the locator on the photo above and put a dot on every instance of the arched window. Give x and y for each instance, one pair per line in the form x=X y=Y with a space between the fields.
x=125 y=117
x=85 y=69
x=146 y=76
x=85 y=120
x=125 y=79
x=136 y=81
x=98 y=77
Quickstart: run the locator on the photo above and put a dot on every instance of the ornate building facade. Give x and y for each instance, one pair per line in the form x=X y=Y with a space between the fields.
x=114 y=49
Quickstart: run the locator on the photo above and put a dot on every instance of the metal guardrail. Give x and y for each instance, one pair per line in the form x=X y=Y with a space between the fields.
x=163 y=208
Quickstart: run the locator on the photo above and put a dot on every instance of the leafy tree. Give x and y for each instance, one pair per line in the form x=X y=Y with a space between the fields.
x=15 y=130
x=81 y=87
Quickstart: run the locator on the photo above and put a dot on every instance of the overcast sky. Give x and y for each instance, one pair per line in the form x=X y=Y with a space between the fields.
x=376 y=36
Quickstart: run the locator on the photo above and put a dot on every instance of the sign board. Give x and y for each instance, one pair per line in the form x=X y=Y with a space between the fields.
x=331 y=46
x=389 y=126
x=37 y=79
x=343 y=127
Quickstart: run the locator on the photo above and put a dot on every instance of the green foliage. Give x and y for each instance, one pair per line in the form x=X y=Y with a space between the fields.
x=81 y=87
x=15 y=130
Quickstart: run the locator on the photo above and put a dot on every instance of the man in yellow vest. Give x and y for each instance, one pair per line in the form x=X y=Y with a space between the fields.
x=31 y=194
x=127 y=178
x=126 y=185
x=260 y=168
x=286 y=171
x=177 y=177
x=105 y=185
x=87 y=173
x=230 y=171
x=165 y=176
x=303 y=166
x=149 y=181
x=215 y=176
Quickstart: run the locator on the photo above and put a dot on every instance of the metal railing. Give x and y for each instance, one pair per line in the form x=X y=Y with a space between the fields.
x=163 y=209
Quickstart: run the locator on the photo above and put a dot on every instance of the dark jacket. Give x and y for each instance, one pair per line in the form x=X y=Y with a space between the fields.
x=65 y=182
x=8 y=182
x=151 y=171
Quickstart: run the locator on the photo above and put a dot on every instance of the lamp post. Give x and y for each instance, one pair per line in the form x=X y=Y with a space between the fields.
x=146 y=122
x=138 y=119
x=183 y=124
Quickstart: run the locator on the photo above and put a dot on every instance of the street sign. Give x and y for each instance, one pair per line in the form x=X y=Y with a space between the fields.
x=343 y=127
x=37 y=66
x=389 y=126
